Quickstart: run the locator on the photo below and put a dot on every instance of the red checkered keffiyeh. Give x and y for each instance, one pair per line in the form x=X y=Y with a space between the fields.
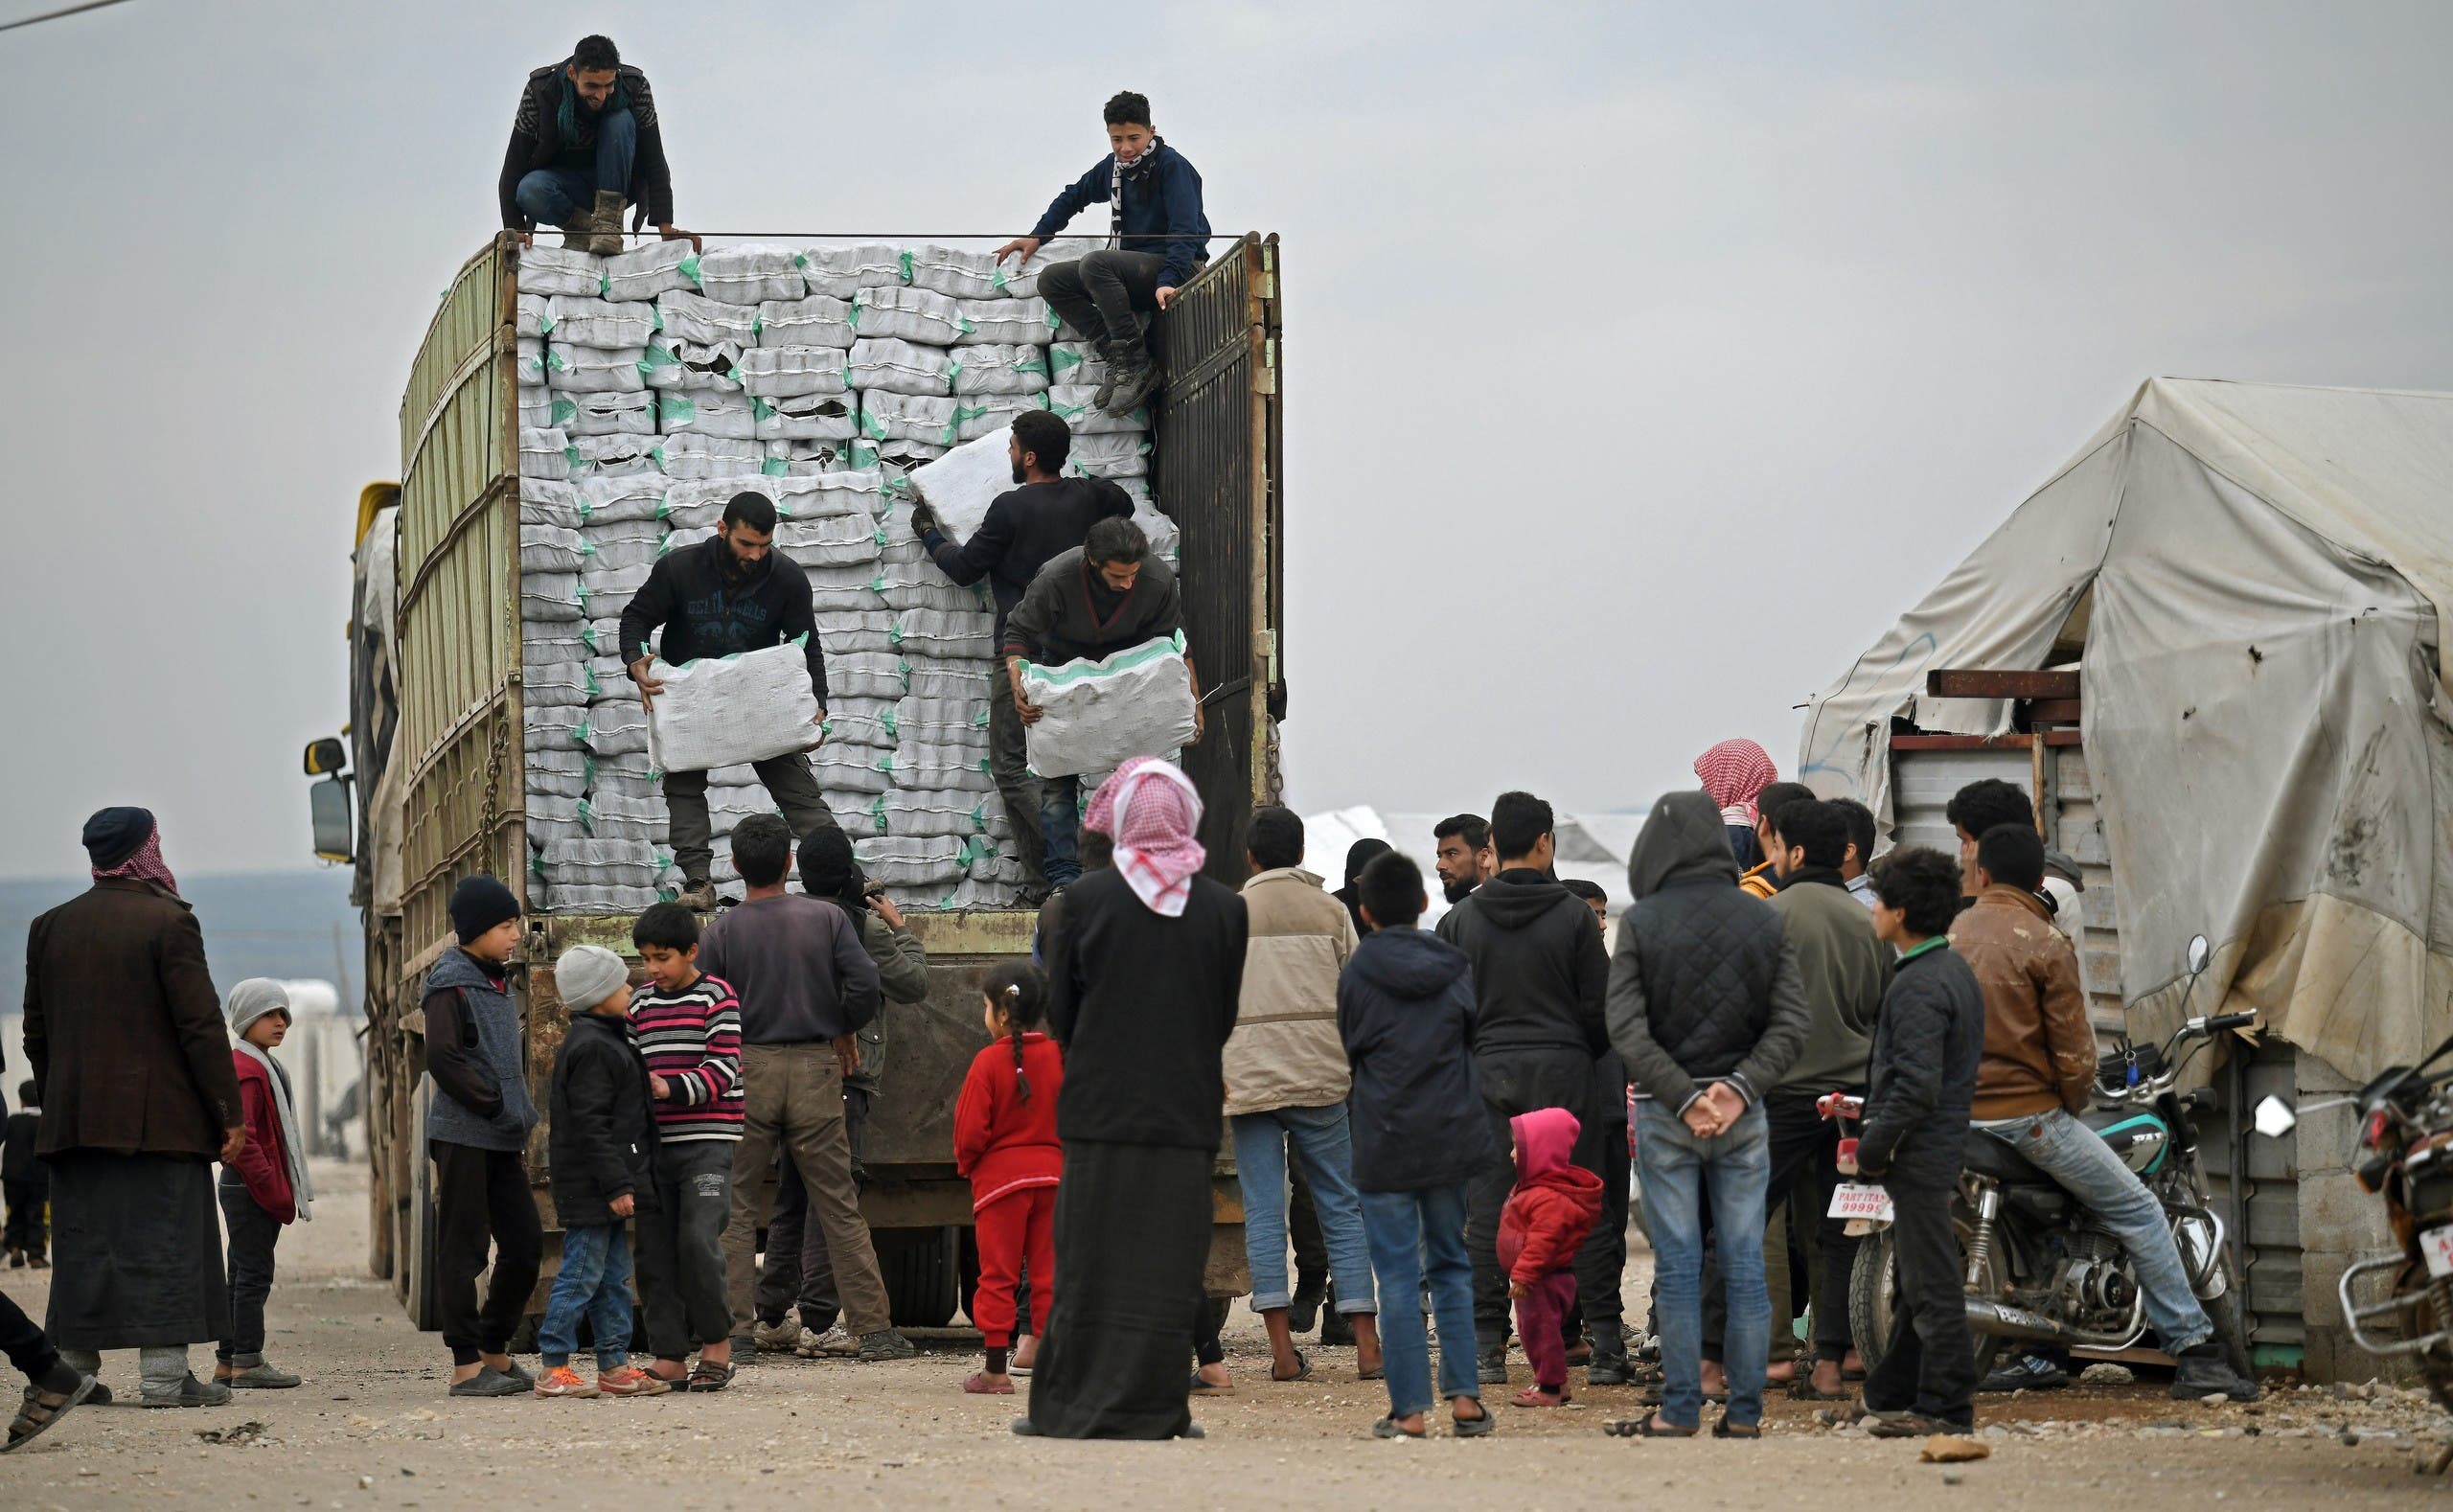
x=1152 y=810
x=144 y=864
x=1733 y=772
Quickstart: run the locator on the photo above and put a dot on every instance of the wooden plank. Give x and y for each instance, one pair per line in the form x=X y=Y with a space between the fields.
x=1950 y=682
x=1961 y=742
x=2054 y=711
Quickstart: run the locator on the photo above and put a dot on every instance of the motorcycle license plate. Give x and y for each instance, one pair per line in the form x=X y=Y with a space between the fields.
x=2436 y=1244
x=1860 y=1200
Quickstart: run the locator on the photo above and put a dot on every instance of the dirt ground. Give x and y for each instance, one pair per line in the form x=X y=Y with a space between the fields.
x=372 y=1428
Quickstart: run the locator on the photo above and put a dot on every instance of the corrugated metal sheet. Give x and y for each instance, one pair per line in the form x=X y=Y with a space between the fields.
x=2074 y=825
x=2274 y=1296
x=1923 y=781
x=1216 y=443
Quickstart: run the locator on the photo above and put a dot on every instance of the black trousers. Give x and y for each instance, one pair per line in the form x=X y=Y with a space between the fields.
x=481 y=1199
x=22 y=1339
x=1929 y=1366
x=1601 y=1265
x=1519 y=1081
x=1206 y=1350
x=1805 y=1157
x=253 y=1233
x=1101 y=295
x=26 y=1229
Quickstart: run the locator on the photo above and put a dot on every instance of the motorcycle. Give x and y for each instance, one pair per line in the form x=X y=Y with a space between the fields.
x=2041 y=1269
x=2405 y=1154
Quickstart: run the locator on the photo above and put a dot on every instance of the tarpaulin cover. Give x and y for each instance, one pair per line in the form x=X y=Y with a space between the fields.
x=2257 y=575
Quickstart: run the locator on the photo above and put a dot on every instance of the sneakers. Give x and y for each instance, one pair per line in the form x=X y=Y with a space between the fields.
x=1607 y=1368
x=887 y=1344
x=1133 y=383
x=1336 y=1328
x=780 y=1338
x=260 y=1377
x=832 y=1345
x=490 y=1382
x=1911 y=1425
x=561 y=1381
x=1490 y=1364
x=629 y=1380
x=2026 y=1373
x=699 y=897
x=189 y=1392
x=2208 y=1375
x=1311 y=1289
x=609 y=206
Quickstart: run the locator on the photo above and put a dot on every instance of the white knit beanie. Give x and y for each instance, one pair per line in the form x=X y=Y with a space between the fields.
x=586 y=975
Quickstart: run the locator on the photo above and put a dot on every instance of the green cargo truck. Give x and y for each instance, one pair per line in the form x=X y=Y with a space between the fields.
x=426 y=786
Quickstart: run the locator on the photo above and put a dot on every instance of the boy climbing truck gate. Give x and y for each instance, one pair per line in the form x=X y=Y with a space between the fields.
x=441 y=737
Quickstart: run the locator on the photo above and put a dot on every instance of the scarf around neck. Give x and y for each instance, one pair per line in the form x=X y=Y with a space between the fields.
x=145 y=864
x=1152 y=810
x=1117 y=168
x=302 y=1188
x=566 y=114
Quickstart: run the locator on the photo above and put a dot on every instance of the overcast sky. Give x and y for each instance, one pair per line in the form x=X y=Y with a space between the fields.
x=1642 y=362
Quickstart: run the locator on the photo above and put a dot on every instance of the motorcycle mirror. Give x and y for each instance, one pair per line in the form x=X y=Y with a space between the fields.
x=2275 y=1118
x=2200 y=954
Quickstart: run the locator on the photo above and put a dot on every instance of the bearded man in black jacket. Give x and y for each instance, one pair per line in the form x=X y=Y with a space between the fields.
x=1541 y=979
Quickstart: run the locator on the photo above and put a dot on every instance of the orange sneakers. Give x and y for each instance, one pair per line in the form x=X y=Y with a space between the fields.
x=563 y=1380
x=629 y=1381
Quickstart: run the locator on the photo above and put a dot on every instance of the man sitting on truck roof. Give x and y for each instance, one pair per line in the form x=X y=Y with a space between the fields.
x=1022 y=530
x=1106 y=595
x=1159 y=237
x=584 y=147
x=730 y=593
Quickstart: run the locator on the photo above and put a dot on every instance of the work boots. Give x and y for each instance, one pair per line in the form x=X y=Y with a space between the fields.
x=610 y=207
x=699 y=896
x=1135 y=378
x=580 y=231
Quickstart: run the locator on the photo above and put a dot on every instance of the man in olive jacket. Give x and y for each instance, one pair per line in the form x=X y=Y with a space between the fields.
x=125 y=1034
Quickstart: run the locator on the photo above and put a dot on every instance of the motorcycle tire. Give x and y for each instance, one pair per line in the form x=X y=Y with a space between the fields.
x=1873 y=1291
x=2230 y=1327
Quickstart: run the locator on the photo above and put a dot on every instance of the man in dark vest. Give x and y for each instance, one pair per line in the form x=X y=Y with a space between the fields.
x=584 y=147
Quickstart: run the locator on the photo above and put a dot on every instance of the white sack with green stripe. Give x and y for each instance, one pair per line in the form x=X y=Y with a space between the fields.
x=1095 y=715
x=720 y=711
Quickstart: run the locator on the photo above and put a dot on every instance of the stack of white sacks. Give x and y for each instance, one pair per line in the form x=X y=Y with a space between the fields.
x=655 y=385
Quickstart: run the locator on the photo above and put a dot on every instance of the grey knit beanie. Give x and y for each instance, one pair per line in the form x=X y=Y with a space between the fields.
x=255 y=998
x=586 y=975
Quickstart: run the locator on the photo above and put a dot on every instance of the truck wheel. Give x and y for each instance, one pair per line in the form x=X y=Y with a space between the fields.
x=923 y=1271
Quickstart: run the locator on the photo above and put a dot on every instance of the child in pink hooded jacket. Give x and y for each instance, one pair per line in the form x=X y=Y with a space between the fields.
x=1552 y=1209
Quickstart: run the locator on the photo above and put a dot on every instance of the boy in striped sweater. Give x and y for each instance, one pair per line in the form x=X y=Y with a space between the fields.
x=688 y=1029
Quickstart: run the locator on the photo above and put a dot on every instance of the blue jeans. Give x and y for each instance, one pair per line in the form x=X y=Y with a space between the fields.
x=595 y=1280
x=1679 y=1172
x=1060 y=824
x=1413 y=1235
x=552 y=196
x=2090 y=1170
x=1320 y=1141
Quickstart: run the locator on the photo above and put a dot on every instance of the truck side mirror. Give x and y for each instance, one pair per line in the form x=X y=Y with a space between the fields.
x=325 y=756
x=336 y=834
x=2275 y=1118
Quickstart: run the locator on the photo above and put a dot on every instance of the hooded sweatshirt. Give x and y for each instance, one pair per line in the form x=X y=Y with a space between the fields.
x=1845 y=969
x=1705 y=986
x=1406 y=1013
x=1540 y=971
x=1554 y=1204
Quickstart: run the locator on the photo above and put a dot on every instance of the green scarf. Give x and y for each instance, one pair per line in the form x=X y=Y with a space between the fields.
x=566 y=115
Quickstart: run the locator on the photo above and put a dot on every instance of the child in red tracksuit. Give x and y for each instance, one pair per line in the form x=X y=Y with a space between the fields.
x=1005 y=1142
x=1546 y=1217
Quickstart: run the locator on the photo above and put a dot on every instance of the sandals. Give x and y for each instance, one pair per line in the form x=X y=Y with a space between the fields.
x=1201 y=1388
x=1386 y=1428
x=1472 y=1427
x=1303 y=1371
x=1646 y=1427
x=978 y=1384
x=708 y=1375
x=1725 y=1429
x=1535 y=1396
x=41 y=1410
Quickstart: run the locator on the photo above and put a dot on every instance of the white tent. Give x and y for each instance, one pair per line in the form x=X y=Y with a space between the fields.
x=2251 y=579
x=1593 y=847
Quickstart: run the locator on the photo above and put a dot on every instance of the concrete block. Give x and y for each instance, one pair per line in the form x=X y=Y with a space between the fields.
x=2336 y=1214
x=2316 y=1077
x=2325 y=1142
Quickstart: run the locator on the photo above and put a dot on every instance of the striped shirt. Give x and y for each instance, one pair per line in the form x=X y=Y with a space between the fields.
x=692 y=1039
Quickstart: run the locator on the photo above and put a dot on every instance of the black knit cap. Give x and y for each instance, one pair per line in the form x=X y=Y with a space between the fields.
x=829 y=869
x=113 y=834
x=478 y=903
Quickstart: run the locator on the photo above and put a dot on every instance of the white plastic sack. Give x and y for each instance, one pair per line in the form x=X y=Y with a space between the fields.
x=942 y=722
x=673 y=363
x=535 y=363
x=967 y=633
x=804 y=417
x=648 y=272
x=820 y=320
x=1098 y=715
x=840 y=272
x=1071 y=402
x=914 y=314
x=594 y=370
x=965 y=681
x=1022 y=281
x=550 y=685
x=549 y=596
x=547 y=777
x=613 y=456
x=992 y=414
x=605 y=500
x=918 y=586
x=1110 y=454
x=937 y=768
x=559 y=270
x=615 y=728
x=861 y=673
x=803 y=459
x=706 y=413
x=780 y=372
x=722 y=710
x=696 y=454
x=894 y=458
x=549 y=549
x=829 y=540
x=999 y=370
x=954 y=271
x=1004 y=322
x=537 y=407
x=544 y=454
x=887 y=365
x=608 y=414
x=578 y=321
x=887 y=415
x=610 y=548
x=909 y=860
x=852 y=768
x=961 y=815
x=609 y=591
x=1075 y=364
x=530 y=316
x=844 y=491
x=695 y=317
x=842 y=634
x=751 y=274
x=859 y=721
x=960 y=485
x=697 y=504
